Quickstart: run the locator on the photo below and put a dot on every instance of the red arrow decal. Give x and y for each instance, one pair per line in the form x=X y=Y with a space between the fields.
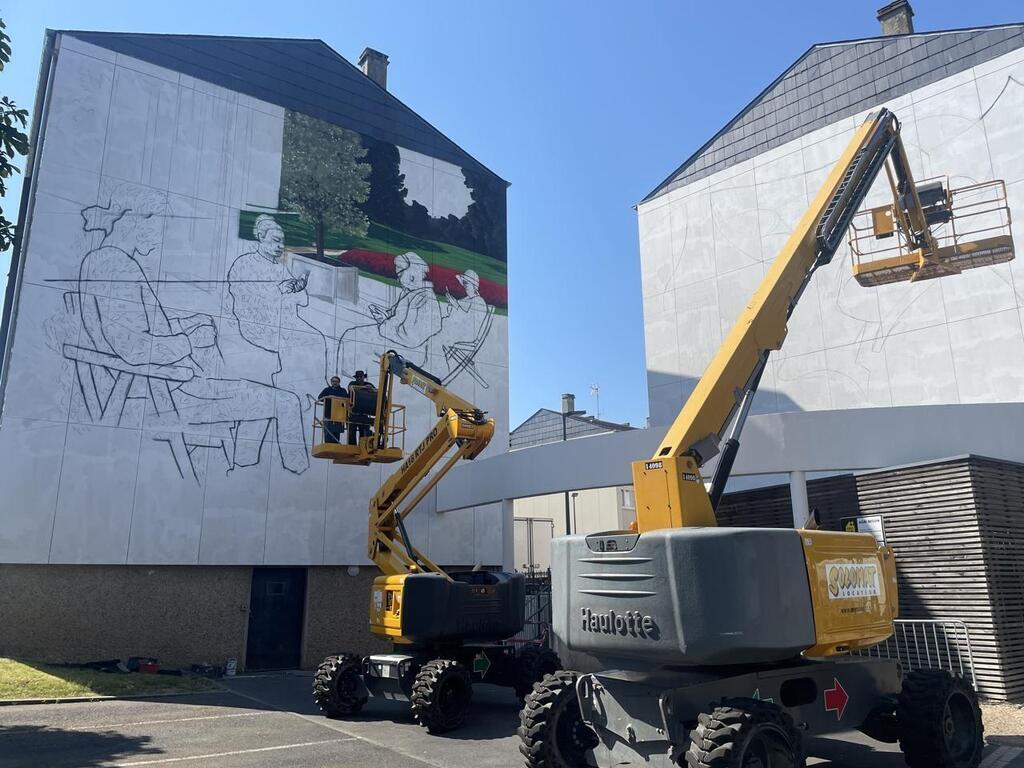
x=836 y=699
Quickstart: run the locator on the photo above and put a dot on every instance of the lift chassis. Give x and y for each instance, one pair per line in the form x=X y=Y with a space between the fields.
x=436 y=681
x=653 y=720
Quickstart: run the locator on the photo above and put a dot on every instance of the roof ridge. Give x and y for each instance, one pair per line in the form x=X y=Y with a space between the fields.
x=109 y=33
x=933 y=33
x=797 y=114
x=434 y=140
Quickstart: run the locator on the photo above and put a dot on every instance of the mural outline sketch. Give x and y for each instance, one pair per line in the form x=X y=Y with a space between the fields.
x=133 y=348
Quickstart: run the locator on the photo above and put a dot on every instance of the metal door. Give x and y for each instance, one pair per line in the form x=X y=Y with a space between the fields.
x=276 y=609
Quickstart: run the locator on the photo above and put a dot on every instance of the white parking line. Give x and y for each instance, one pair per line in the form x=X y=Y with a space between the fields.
x=165 y=760
x=1002 y=757
x=105 y=726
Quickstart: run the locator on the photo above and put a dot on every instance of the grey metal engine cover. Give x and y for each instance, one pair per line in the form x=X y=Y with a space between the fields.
x=687 y=596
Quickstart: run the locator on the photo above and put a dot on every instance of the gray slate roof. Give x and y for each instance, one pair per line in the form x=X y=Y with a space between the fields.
x=545 y=426
x=302 y=75
x=835 y=80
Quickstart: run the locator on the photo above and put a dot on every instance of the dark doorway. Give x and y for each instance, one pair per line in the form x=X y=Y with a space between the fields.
x=276 y=607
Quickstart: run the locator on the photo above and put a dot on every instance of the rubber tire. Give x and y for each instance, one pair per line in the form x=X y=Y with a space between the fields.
x=920 y=717
x=532 y=665
x=722 y=736
x=551 y=699
x=429 y=706
x=333 y=700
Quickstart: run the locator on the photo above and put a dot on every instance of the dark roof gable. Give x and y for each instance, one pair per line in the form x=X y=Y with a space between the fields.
x=835 y=80
x=545 y=426
x=299 y=74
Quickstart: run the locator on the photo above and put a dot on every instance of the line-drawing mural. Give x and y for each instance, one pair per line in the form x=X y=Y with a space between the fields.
x=236 y=383
x=266 y=297
x=133 y=348
x=418 y=323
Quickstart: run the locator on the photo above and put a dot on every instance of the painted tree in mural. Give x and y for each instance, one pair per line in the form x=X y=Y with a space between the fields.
x=386 y=203
x=322 y=178
x=13 y=141
x=483 y=224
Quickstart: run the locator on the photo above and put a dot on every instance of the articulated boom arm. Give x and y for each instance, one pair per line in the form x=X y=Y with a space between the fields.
x=460 y=424
x=669 y=488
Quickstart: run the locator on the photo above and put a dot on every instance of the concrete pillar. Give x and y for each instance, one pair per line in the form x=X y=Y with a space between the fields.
x=508 y=536
x=798 y=494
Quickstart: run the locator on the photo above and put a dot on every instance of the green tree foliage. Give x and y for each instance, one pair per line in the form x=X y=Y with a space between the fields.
x=13 y=140
x=386 y=203
x=322 y=178
x=484 y=222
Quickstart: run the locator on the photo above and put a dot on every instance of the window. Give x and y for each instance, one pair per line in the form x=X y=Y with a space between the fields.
x=627 y=498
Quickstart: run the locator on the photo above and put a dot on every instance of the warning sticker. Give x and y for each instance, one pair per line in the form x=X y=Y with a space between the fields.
x=852 y=580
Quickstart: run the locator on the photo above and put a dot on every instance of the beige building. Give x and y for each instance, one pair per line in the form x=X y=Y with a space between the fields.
x=541 y=518
x=538 y=519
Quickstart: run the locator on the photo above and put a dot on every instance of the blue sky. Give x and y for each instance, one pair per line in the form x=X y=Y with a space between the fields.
x=583 y=106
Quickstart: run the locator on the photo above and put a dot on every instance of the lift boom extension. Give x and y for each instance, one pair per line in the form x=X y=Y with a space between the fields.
x=670 y=491
x=460 y=424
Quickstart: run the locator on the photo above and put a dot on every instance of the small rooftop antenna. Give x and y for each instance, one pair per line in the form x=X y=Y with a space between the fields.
x=595 y=391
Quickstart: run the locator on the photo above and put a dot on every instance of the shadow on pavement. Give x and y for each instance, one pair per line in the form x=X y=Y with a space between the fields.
x=1005 y=741
x=495 y=711
x=30 y=746
x=841 y=753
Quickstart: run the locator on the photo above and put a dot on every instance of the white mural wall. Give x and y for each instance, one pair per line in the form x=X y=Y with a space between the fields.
x=160 y=388
x=705 y=248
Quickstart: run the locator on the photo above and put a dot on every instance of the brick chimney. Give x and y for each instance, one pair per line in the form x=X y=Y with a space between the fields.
x=375 y=66
x=568 y=402
x=897 y=18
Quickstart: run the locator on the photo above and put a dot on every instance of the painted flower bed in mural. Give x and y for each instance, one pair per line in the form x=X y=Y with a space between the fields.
x=345 y=196
x=374 y=256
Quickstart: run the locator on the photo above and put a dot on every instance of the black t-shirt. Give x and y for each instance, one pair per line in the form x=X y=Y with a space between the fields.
x=331 y=392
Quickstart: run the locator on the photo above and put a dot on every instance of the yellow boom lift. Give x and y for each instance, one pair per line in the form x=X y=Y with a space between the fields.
x=448 y=630
x=721 y=647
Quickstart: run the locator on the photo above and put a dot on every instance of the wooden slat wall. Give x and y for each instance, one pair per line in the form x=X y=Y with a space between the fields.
x=957 y=527
x=999 y=489
x=761 y=508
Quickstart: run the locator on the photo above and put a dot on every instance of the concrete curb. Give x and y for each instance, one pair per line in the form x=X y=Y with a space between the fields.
x=128 y=697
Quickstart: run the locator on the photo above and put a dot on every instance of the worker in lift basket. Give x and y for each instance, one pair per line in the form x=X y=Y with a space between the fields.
x=332 y=428
x=364 y=402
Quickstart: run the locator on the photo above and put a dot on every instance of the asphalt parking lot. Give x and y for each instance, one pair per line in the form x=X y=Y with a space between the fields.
x=271 y=722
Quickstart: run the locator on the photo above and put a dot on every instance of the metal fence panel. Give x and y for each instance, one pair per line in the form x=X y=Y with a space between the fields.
x=929 y=644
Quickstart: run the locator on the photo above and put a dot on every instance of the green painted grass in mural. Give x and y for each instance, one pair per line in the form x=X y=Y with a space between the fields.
x=384 y=240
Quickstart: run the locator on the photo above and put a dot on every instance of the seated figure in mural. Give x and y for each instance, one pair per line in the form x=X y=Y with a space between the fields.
x=464 y=316
x=265 y=301
x=407 y=326
x=466 y=326
x=127 y=329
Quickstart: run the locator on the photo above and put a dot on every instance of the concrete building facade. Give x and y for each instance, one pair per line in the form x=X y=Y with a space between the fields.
x=708 y=232
x=211 y=228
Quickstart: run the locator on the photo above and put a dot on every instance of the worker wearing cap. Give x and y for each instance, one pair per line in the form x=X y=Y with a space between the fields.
x=361 y=418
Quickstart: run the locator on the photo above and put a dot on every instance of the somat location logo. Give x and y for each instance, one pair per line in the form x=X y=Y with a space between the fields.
x=850 y=580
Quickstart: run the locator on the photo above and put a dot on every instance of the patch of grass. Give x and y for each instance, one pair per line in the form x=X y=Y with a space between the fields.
x=33 y=680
